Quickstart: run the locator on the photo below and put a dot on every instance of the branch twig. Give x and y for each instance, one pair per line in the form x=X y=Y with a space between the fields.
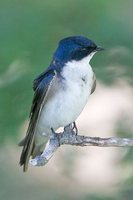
x=68 y=137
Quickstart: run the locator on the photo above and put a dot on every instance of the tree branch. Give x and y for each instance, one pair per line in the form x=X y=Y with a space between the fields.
x=68 y=137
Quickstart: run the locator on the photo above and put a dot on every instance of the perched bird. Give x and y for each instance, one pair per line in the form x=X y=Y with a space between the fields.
x=60 y=93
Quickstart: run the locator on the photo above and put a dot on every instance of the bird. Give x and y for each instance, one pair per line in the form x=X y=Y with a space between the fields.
x=60 y=94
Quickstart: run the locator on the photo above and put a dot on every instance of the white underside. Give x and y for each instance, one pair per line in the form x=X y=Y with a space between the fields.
x=66 y=105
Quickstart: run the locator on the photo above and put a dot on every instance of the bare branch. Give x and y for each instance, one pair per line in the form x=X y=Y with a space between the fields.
x=68 y=137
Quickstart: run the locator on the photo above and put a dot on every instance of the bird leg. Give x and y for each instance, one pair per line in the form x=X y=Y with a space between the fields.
x=75 y=128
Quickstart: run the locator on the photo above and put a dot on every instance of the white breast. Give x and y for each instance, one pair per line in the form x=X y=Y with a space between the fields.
x=67 y=104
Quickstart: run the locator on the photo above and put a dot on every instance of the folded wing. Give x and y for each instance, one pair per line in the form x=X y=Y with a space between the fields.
x=41 y=87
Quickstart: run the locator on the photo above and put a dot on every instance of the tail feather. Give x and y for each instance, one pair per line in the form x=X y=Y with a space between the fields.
x=28 y=146
x=30 y=149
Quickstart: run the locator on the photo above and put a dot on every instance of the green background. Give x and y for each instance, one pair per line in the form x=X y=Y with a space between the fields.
x=29 y=33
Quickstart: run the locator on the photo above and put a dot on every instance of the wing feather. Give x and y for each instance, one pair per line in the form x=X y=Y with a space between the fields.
x=41 y=86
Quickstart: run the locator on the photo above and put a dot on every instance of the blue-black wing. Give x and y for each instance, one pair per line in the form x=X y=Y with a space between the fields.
x=41 y=87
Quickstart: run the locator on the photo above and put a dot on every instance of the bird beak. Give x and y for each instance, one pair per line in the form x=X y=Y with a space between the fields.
x=99 y=49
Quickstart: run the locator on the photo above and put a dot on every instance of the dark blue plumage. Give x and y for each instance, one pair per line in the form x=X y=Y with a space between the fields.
x=74 y=48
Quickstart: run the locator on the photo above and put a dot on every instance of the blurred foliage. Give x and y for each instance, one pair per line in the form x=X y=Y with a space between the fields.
x=29 y=33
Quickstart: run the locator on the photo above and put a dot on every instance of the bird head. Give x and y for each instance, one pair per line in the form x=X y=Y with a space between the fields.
x=75 y=48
